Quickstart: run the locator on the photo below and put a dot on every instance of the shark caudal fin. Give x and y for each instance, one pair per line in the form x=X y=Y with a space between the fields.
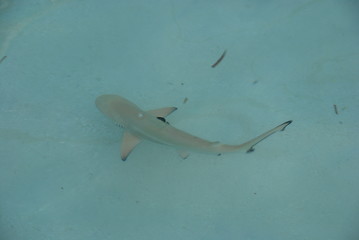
x=249 y=145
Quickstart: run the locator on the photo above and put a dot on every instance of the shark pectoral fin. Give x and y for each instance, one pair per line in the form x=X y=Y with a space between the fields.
x=183 y=154
x=129 y=142
x=162 y=112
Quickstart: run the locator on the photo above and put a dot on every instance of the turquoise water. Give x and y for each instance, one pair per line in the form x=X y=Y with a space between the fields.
x=61 y=176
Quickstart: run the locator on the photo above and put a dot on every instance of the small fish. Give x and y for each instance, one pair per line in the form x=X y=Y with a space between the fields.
x=2 y=59
x=335 y=109
x=151 y=125
x=219 y=59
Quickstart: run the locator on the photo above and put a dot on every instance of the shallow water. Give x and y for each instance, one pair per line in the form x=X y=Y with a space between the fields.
x=61 y=176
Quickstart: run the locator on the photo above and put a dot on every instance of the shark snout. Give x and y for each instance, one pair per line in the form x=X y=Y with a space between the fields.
x=102 y=100
x=104 y=103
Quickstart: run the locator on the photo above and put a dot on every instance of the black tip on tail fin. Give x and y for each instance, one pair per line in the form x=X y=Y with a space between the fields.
x=260 y=138
x=285 y=124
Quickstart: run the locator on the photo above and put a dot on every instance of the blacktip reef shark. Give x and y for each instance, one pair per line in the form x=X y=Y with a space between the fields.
x=151 y=125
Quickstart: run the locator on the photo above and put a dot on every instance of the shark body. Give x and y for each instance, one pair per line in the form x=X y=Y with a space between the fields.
x=151 y=125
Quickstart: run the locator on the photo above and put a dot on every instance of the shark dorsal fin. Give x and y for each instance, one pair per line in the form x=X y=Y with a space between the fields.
x=129 y=142
x=162 y=112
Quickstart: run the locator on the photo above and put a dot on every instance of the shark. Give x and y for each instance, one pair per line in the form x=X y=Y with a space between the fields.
x=151 y=125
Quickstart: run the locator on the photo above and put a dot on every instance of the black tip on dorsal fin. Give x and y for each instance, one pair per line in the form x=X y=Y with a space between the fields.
x=162 y=112
x=162 y=119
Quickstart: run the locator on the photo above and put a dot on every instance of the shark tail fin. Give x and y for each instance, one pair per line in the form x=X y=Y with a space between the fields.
x=249 y=145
